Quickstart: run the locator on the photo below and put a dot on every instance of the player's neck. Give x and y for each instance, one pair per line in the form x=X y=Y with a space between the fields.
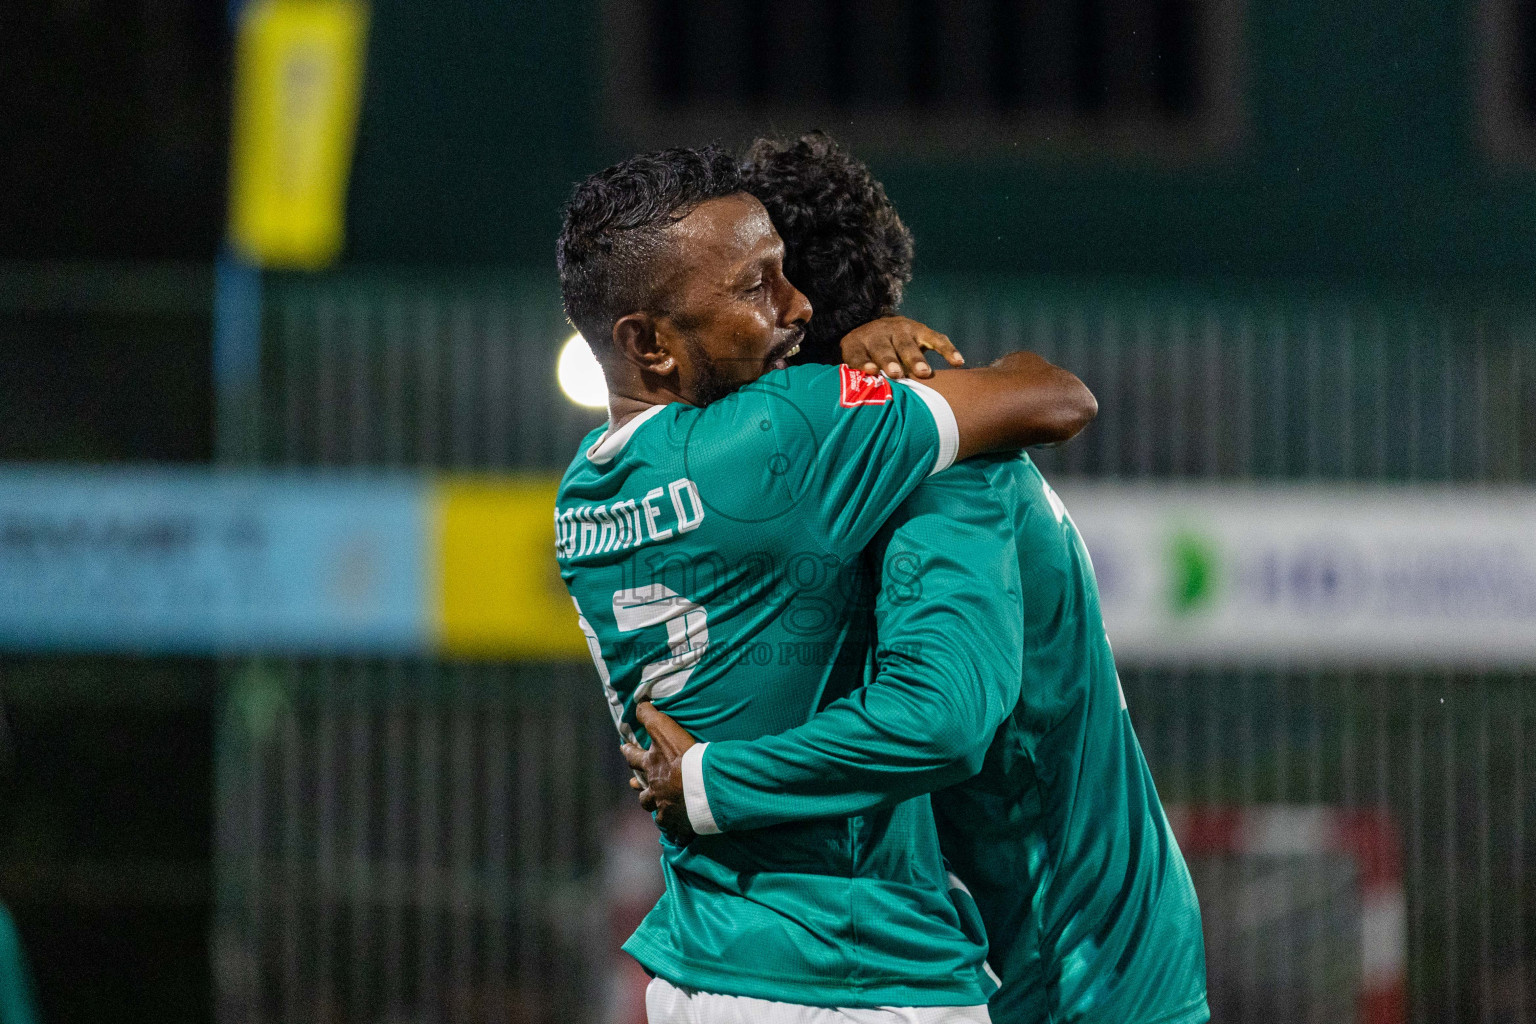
x=623 y=408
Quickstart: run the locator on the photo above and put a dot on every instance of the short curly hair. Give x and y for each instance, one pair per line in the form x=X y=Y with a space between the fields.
x=613 y=235
x=844 y=245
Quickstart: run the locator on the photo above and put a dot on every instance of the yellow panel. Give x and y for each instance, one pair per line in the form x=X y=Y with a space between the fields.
x=298 y=83
x=499 y=593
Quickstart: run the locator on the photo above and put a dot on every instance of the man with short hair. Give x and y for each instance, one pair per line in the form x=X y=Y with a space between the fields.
x=710 y=536
x=1050 y=817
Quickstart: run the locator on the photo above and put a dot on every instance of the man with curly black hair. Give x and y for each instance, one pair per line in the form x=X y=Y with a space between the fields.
x=995 y=680
x=818 y=197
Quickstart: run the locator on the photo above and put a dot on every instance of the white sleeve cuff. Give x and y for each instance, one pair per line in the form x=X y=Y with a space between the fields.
x=694 y=798
x=943 y=418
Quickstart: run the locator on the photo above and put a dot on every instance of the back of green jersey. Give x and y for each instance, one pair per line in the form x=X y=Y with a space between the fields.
x=713 y=557
x=1061 y=836
x=713 y=552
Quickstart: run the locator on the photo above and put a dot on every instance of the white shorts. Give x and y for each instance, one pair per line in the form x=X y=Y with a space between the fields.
x=665 y=1003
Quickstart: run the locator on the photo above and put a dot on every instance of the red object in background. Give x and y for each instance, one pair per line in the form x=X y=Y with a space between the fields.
x=1367 y=838
x=632 y=881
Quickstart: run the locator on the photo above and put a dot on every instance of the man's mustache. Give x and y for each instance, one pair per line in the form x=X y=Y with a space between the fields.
x=795 y=336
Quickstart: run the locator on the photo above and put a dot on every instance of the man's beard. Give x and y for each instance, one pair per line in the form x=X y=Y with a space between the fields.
x=711 y=385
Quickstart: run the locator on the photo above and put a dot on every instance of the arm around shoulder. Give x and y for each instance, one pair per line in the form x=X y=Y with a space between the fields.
x=1018 y=401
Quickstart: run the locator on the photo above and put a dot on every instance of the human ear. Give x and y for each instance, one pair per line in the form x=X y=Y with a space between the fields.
x=637 y=341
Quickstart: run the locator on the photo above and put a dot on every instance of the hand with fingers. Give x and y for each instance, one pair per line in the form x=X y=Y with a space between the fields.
x=660 y=769
x=894 y=345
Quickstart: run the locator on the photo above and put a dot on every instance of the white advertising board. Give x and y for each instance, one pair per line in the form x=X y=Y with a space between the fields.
x=1331 y=574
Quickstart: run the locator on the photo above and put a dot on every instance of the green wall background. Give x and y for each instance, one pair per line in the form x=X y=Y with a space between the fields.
x=1359 y=160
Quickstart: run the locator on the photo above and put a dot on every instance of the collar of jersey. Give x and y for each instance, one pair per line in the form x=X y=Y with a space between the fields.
x=613 y=441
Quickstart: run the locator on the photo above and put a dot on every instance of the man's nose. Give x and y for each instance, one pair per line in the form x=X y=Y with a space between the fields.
x=797 y=310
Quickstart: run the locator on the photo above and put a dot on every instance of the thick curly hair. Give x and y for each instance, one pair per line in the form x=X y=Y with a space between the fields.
x=613 y=238
x=845 y=247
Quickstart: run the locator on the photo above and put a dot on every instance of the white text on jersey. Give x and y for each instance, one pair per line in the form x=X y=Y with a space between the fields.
x=582 y=530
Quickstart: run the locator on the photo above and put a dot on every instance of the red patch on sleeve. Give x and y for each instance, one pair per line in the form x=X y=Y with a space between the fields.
x=860 y=388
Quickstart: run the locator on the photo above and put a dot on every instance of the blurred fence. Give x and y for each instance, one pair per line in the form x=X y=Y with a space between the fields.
x=421 y=841
x=412 y=842
x=1227 y=384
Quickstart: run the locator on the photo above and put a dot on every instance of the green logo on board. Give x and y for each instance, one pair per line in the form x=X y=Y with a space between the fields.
x=1192 y=576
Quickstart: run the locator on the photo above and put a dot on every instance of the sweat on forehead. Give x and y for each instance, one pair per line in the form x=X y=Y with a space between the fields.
x=721 y=233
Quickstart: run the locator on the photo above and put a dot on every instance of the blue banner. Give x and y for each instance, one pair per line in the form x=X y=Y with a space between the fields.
x=198 y=562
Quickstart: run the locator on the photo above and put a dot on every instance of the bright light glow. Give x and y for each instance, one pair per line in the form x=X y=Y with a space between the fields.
x=580 y=377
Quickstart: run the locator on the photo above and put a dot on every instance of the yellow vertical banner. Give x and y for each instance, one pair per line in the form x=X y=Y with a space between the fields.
x=499 y=592
x=298 y=87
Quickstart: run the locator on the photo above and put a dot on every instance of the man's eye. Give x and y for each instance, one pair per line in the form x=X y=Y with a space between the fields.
x=755 y=287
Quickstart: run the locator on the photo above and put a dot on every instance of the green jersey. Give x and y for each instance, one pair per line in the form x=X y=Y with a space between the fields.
x=714 y=558
x=1057 y=828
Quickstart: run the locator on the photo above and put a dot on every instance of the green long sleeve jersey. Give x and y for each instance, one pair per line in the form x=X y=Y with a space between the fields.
x=714 y=557
x=994 y=669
